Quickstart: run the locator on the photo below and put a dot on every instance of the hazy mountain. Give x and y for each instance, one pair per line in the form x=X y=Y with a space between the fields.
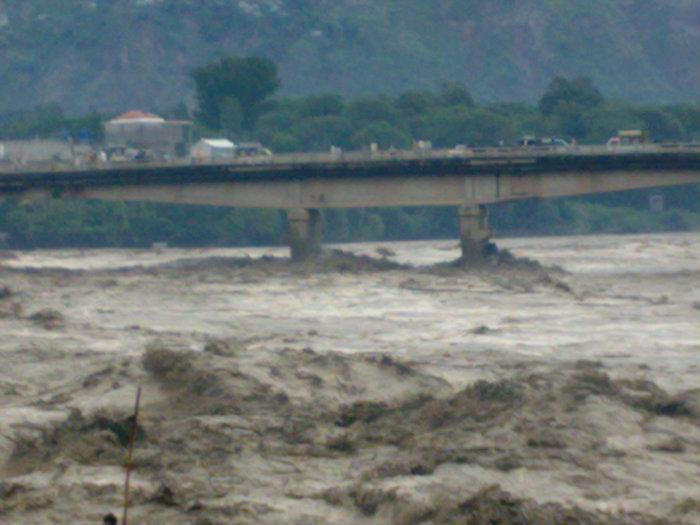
x=118 y=54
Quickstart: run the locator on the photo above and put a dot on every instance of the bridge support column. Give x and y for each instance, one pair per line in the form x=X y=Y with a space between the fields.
x=474 y=231
x=305 y=233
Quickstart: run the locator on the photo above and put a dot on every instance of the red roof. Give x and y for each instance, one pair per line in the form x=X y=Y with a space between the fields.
x=136 y=114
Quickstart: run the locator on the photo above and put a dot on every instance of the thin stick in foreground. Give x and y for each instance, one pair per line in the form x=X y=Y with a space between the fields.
x=130 y=455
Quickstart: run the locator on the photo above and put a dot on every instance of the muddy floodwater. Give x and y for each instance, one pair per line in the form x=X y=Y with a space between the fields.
x=389 y=389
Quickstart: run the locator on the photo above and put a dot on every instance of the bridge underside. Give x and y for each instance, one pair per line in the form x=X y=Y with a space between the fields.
x=303 y=198
x=374 y=192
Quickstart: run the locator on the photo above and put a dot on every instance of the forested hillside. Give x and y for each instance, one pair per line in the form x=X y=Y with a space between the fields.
x=112 y=55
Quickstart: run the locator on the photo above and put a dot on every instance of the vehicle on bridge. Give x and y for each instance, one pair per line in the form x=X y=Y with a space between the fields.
x=460 y=150
x=531 y=140
x=252 y=153
x=252 y=149
x=212 y=150
x=119 y=154
x=628 y=138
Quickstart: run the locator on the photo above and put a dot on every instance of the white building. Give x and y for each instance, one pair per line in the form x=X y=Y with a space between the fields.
x=36 y=150
x=149 y=132
x=213 y=149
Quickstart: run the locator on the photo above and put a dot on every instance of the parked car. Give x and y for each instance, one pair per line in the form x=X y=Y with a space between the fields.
x=460 y=150
x=422 y=145
x=531 y=140
x=126 y=154
x=252 y=149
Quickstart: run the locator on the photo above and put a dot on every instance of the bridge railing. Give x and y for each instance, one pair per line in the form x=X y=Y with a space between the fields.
x=362 y=156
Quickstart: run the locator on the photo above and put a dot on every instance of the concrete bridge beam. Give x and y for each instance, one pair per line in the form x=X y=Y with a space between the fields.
x=305 y=233
x=474 y=231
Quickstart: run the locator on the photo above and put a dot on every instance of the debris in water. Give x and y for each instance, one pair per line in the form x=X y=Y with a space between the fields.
x=385 y=252
x=482 y=330
x=48 y=318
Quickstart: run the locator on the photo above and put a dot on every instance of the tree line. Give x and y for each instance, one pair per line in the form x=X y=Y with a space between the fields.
x=236 y=98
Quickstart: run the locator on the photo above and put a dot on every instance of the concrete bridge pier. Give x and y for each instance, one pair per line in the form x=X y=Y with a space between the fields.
x=474 y=231
x=305 y=233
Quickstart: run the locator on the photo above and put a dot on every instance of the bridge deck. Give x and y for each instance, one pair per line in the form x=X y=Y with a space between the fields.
x=433 y=163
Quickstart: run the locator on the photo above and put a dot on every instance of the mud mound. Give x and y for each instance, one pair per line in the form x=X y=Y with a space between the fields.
x=332 y=261
x=330 y=380
x=287 y=402
x=573 y=416
x=489 y=506
x=18 y=497
x=200 y=383
x=6 y=292
x=507 y=271
x=495 y=257
x=342 y=261
x=96 y=439
x=640 y=394
x=493 y=506
x=227 y=378
x=9 y=307
x=216 y=263
x=48 y=319
x=480 y=402
x=514 y=272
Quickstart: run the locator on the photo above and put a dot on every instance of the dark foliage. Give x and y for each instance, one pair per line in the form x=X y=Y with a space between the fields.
x=245 y=81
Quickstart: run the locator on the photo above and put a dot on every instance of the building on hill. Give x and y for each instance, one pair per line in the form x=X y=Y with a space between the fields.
x=148 y=132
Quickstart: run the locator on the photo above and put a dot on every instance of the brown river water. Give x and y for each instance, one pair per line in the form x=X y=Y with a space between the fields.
x=357 y=390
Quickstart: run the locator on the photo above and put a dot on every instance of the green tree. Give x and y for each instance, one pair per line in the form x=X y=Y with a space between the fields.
x=323 y=105
x=573 y=124
x=662 y=125
x=231 y=116
x=454 y=94
x=283 y=142
x=248 y=80
x=368 y=109
x=689 y=115
x=91 y=126
x=605 y=121
x=413 y=103
x=472 y=126
x=320 y=133
x=282 y=119
x=567 y=97
x=178 y=112
x=50 y=121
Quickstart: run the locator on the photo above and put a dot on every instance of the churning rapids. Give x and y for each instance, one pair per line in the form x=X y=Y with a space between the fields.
x=384 y=390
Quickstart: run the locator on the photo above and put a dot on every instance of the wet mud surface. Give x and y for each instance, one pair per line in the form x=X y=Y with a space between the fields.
x=388 y=387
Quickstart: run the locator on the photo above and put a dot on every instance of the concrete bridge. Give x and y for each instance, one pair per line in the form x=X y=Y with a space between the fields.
x=303 y=185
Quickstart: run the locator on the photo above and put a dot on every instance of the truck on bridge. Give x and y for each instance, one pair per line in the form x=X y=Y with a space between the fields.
x=628 y=138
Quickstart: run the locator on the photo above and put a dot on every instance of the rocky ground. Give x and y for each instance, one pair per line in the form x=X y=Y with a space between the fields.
x=359 y=390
